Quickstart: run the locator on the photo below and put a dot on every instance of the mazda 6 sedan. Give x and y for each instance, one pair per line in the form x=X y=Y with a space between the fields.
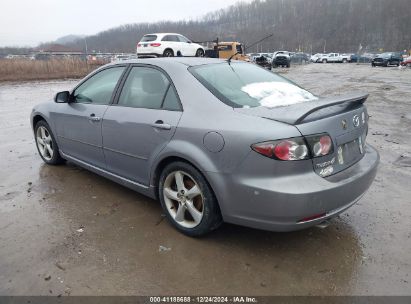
x=215 y=141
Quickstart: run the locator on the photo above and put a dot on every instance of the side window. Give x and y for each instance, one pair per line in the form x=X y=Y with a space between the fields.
x=170 y=38
x=147 y=88
x=183 y=39
x=171 y=101
x=99 y=88
x=175 y=38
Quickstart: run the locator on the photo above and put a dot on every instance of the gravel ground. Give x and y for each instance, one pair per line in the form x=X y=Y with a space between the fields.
x=66 y=231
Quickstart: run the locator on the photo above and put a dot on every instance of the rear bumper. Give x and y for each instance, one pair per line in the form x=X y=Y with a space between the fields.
x=279 y=204
x=148 y=54
x=281 y=61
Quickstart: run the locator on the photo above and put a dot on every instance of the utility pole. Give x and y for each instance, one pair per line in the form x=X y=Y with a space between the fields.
x=85 y=42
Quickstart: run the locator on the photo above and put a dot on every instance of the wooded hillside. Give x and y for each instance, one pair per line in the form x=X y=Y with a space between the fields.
x=307 y=25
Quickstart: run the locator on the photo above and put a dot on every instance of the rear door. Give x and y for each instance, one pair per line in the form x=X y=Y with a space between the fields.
x=173 y=42
x=141 y=123
x=78 y=123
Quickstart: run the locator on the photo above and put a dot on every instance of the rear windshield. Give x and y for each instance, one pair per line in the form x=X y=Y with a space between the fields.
x=149 y=38
x=247 y=85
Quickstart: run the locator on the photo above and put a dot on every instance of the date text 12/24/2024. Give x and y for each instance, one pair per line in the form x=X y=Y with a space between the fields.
x=203 y=299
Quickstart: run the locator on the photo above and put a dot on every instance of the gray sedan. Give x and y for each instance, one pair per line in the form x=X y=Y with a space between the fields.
x=215 y=141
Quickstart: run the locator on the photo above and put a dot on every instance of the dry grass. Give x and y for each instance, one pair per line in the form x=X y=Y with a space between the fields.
x=19 y=69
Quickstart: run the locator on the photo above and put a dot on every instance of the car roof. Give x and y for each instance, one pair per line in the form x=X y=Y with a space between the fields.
x=187 y=61
x=163 y=34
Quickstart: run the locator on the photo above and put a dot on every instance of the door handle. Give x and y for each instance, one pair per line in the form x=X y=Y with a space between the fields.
x=159 y=124
x=93 y=117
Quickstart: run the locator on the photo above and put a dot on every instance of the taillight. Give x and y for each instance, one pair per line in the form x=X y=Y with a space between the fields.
x=320 y=145
x=288 y=149
x=155 y=44
x=139 y=45
x=298 y=148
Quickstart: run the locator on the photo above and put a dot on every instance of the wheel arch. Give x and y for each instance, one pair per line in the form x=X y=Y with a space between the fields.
x=36 y=118
x=166 y=160
x=169 y=49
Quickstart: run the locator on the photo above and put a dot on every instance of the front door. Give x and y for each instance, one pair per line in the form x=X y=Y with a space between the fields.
x=78 y=125
x=188 y=48
x=140 y=125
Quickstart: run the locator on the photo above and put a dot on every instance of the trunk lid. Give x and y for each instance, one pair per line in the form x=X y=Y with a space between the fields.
x=343 y=118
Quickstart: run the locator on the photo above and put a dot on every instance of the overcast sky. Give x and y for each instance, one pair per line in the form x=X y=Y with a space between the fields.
x=29 y=22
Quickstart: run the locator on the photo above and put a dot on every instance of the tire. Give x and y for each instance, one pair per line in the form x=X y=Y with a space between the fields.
x=288 y=65
x=200 y=213
x=324 y=60
x=408 y=65
x=387 y=64
x=200 y=53
x=46 y=144
x=168 y=53
x=345 y=60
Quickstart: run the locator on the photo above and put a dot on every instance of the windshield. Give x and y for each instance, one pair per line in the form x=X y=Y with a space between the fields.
x=247 y=85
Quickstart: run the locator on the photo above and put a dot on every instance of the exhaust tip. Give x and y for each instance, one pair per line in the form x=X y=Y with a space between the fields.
x=323 y=225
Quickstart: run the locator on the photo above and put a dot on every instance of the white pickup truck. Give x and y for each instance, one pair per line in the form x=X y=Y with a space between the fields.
x=335 y=57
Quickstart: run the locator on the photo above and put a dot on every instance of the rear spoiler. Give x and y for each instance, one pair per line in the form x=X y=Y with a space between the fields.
x=296 y=113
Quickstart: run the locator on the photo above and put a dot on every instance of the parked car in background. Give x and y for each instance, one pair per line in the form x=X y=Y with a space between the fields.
x=316 y=57
x=387 y=59
x=281 y=58
x=406 y=62
x=123 y=57
x=335 y=57
x=270 y=158
x=300 y=58
x=168 y=45
x=366 y=57
x=254 y=56
x=264 y=60
x=354 y=58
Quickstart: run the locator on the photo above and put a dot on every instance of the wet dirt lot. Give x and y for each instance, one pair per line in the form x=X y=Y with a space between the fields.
x=64 y=230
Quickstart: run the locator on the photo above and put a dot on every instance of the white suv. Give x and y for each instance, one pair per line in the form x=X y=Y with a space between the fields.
x=168 y=45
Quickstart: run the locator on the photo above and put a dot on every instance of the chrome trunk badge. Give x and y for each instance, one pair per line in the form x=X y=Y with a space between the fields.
x=340 y=156
x=356 y=121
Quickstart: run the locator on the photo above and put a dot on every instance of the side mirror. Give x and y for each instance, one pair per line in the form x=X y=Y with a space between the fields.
x=62 y=97
x=189 y=42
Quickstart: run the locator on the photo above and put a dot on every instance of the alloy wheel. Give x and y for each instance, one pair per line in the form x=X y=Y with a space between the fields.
x=183 y=199
x=45 y=143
